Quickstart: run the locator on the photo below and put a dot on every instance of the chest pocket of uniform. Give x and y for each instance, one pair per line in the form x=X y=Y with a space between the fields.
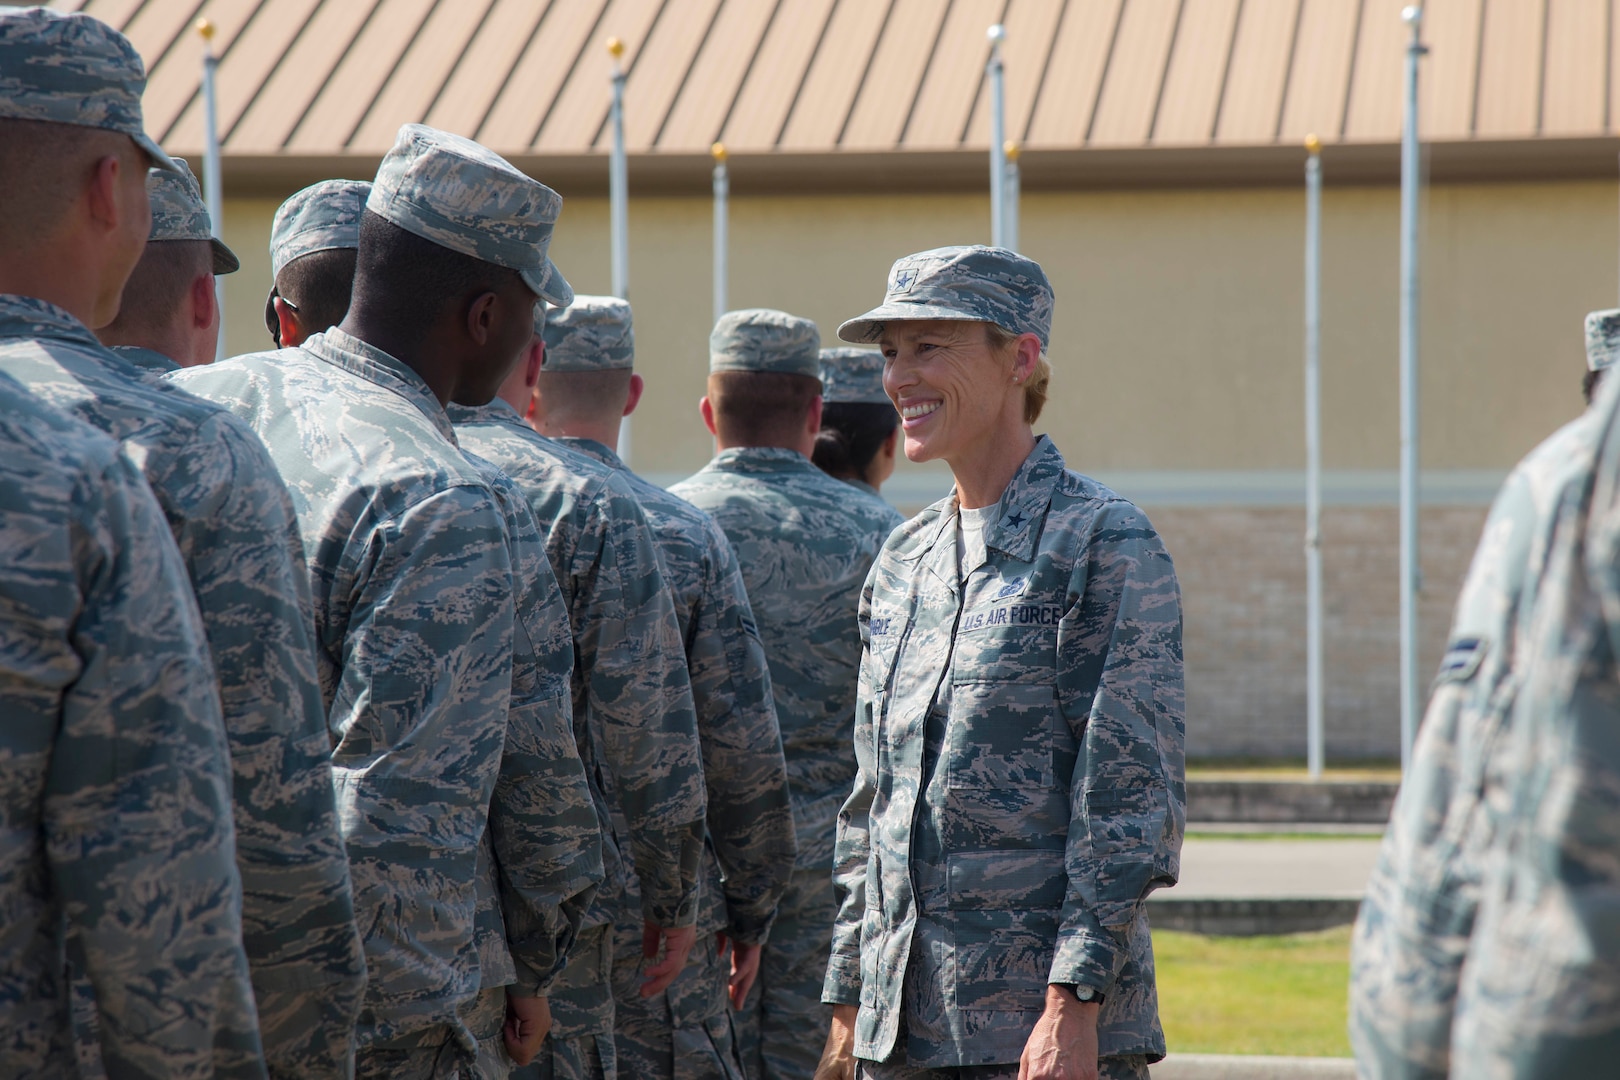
x=1001 y=736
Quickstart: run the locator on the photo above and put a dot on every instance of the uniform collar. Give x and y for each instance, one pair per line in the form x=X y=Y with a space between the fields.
x=1020 y=512
x=592 y=448
x=862 y=485
x=762 y=459
x=146 y=359
x=496 y=412
x=31 y=317
x=343 y=350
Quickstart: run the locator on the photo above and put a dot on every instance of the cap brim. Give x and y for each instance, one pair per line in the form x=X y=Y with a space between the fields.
x=549 y=284
x=865 y=329
x=225 y=260
x=160 y=160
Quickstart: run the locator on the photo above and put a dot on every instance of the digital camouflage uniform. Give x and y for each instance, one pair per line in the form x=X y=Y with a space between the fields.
x=686 y=1031
x=412 y=570
x=236 y=529
x=1453 y=822
x=804 y=542
x=633 y=717
x=116 y=826
x=1020 y=736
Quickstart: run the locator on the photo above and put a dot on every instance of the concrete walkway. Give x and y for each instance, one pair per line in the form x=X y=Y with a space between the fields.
x=1222 y=1067
x=1274 y=869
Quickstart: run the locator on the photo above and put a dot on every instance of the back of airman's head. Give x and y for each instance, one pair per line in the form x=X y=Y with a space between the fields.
x=182 y=257
x=70 y=96
x=314 y=239
x=764 y=375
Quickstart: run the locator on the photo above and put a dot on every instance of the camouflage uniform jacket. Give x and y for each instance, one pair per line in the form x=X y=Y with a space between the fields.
x=1540 y=980
x=411 y=569
x=751 y=846
x=805 y=543
x=1412 y=936
x=1021 y=790
x=545 y=802
x=633 y=716
x=237 y=533
x=114 y=809
x=152 y=364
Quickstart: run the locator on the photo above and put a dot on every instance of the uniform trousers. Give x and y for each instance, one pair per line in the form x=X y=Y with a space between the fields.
x=434 y=1056
x=1113 y=1068
x=580 y=1046
x=685 y=1033
x=783 y=1024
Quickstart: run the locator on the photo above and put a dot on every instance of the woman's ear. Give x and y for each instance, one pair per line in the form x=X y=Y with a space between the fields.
x=1028 y=355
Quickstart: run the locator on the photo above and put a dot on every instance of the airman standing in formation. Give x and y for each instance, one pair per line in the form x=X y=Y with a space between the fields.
x=1419 y=925
x=401 y=529
x=169 y=318
x=805 y=543
x=76 y=221
x=585 y=387
x=632 y=707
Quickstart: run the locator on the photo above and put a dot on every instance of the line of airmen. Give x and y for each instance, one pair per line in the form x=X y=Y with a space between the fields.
x=419 y=743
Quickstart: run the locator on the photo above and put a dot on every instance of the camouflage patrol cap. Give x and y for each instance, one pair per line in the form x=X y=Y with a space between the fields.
x=973 y=283
x=1602 y=338
x=73 y=69
x=179 y=213
x=761 y=339
x=852 y=377
x=322 y=217
x=594 y=333
x=467 y=198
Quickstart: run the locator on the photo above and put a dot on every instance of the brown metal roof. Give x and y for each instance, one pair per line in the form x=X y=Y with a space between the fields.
x=334 y=79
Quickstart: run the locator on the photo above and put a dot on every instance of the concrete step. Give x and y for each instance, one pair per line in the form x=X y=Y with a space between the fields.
x=1366 y=802
x=1233 y=1067
x=1250 y=916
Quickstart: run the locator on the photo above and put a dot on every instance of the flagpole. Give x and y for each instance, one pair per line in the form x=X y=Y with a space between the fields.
x=618 y=207
x=1411 y=165
x=1313 y=458
x=722 y=222
x=1014 y=185
x=212 y=182
x=998 y=138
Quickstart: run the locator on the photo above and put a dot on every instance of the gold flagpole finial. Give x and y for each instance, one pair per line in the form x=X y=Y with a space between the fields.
x=718 y=152
x=1313 y=145
x=206 y=29
x=615 y=47
x=1011 y=149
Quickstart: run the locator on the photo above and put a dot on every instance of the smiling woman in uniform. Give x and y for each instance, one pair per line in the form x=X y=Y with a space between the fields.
x=1019 y=727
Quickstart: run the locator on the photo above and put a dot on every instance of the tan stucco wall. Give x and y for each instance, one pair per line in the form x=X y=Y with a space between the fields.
x=1177 y=343
x=1177 y=335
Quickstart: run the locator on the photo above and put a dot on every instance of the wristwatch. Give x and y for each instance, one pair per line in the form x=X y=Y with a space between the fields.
x=1083 y=993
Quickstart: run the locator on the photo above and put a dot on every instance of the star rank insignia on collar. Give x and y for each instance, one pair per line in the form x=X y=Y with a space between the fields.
x=1014 y=520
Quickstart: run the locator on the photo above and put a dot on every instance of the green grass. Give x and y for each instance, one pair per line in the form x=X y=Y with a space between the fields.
x=1255 y=995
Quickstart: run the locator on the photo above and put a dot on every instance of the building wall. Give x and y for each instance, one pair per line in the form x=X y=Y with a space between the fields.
x=1177 y=348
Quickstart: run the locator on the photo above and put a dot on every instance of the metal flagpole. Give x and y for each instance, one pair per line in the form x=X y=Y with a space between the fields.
x=1410 y=582
x=998 y=139
x=1313 y=457
x=722 y=212
x=212 y=183
x=618 y=207
x=1014 y=189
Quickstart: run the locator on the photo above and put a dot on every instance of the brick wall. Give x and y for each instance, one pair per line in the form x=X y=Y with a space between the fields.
x=1242 y=574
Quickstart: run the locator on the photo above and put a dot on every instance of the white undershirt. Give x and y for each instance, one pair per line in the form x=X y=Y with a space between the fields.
x=970 y=551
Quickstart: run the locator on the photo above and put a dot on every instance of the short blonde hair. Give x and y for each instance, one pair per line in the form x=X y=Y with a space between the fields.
x=1002 y=340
